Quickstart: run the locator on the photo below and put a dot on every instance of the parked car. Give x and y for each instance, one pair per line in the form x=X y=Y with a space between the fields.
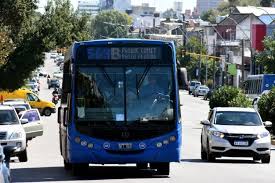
x=17 y=102
x=34 y=125
x=53 y=83
x=45 y=108
x=200 y=90
x=33 y=86
x=12 y=132
x=193 y=85
x=43 y=73
x=53 y=55
x=58 y=75
x=235 y=132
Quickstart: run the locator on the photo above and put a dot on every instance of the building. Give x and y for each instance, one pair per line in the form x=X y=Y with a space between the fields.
x=90 y=7
x=205 y=5
x=106 y=4
x=187 y=14
x=122 y=5
x=240 y=35
x=178 y=8
x=143 y=10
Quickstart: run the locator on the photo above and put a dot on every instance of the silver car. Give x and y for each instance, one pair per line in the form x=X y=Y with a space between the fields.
x=235 y=132
x=200 y=90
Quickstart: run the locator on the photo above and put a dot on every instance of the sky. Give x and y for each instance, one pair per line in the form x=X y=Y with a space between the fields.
x=161 y=5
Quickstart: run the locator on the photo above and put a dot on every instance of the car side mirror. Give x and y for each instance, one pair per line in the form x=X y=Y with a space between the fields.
x=24 y=121
x=268 y=124
x=205 y=122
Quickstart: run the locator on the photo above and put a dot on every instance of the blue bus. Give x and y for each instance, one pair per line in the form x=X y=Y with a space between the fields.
x=120 y=104
x=255 y=85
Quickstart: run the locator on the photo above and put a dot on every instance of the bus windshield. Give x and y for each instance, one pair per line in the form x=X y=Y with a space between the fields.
x=124 y=95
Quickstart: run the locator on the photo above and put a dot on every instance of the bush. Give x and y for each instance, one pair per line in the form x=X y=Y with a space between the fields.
x=266 y=107
x=228 y=96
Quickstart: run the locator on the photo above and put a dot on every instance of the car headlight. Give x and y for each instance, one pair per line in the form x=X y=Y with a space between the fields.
x=16 y=135
x=218 y=134
x=263 y=135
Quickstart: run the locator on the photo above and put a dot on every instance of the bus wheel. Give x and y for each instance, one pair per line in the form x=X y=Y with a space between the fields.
x=163 y=169
x=142 y=166
x=67 y=166
x=80 y=168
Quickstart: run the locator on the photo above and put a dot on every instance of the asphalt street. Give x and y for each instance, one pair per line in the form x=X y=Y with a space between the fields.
x=45 y=163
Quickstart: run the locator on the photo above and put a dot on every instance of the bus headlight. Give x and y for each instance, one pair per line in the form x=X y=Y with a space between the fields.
x=84 y=143
x=90 y=145
x=77 y=140
x=159 y=144
x=172 y=138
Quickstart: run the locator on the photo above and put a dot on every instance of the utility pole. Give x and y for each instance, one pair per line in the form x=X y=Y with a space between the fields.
x=183 y=32
x=242 y=44
x=201 y=38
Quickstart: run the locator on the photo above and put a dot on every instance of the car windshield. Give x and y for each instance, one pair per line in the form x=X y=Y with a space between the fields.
x=125 y=94
x=8 y=117
x=238 y=118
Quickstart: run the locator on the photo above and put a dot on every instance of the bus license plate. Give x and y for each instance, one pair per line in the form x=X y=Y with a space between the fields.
x=241 y=143
x=125 y=146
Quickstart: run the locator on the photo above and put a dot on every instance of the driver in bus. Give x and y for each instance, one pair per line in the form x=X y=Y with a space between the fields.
x=152 y=88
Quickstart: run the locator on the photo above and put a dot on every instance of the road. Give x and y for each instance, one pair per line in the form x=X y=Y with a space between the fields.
x=46 y=165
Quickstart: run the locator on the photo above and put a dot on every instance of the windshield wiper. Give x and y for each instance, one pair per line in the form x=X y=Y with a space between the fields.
x=139 y=83
x=109 y=79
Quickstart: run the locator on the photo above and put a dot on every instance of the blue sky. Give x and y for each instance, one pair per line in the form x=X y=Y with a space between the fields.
x=161 y=5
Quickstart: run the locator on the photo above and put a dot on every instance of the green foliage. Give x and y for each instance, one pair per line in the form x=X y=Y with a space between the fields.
x=25 y=35
x=110 y=24
x=229 y=96
x=266 y=3
x=266 y=107
x=191 y=61
x=226 y=6
x=210 y=16
x=266 y=58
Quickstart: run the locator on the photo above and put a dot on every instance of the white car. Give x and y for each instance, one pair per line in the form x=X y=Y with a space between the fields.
x=235 y=132
x=201 y=91
x=12 y=132
x=58 y=75
x=34 y=125
x=193 y=85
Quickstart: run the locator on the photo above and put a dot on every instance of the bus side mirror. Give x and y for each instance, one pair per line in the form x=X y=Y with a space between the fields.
x=59 y=115
x=65 y=117
x=67 y=83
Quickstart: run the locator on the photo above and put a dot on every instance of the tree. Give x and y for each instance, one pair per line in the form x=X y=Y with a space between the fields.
x=210 y=16
x=266 y=58
x=266 y=107
x=225 y=7
x=228 y=96
x=110 y=24
x=27 y=34
x=266 y=3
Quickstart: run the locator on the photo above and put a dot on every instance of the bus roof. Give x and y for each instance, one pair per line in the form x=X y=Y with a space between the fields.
x=116 y=41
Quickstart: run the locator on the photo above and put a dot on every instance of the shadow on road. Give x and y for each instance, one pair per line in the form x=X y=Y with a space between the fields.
x=232 y=161
x=55 y=174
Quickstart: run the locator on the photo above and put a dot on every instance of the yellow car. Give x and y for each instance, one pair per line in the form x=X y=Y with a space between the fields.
x=45 y=108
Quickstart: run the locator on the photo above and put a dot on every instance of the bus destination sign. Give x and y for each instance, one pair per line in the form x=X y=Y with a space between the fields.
x=124 y=53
